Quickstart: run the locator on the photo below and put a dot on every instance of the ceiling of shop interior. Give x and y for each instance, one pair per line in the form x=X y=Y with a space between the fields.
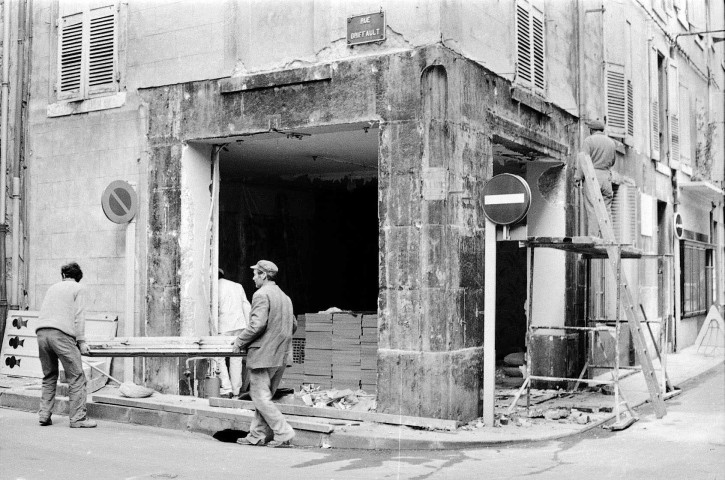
x=325 y=151
x=322 y=152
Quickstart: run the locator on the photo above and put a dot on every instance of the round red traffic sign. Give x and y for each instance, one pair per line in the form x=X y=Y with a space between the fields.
x=119 y=202
x=506 y=199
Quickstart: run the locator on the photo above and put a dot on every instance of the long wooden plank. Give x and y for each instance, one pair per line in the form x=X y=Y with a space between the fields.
x=306 y=411
x=211 y=346
x=592 y=189
x=153 y=403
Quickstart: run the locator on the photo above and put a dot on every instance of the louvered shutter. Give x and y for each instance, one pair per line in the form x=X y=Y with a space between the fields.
x=523 y=44
x=630 y=109
x=538 y=50
x=70 y=57
x=673 y=106
x=654 y=107
x=102 y=50
x=685 y=126
x=624 y=215
x=615 y=91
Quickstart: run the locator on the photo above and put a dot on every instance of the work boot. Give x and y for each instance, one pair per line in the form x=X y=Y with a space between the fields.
x=44 y=422
x=84 y=424
x=283 y=441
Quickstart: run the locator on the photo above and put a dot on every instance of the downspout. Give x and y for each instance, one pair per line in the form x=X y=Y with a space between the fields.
x=21 y=79
x=4 y=96
x=580 y=103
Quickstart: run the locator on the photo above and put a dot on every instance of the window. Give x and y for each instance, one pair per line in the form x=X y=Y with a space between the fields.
x=697 y=275
x=530 y=47
x=87 y=53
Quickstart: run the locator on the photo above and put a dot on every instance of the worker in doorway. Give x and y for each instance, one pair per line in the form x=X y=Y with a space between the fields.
x=234 y=309
x=267 y=340
x=602 y=150
x=60 y=332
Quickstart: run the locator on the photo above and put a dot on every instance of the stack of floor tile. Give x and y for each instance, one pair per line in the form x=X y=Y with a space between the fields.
x=369 y=353
x=346 y=331
x=318 y=349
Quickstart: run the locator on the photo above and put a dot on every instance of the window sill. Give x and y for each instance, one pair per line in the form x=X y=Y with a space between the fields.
x=65 y=108
x=525 y=97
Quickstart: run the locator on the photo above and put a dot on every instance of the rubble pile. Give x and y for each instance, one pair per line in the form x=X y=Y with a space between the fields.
x=346 y=399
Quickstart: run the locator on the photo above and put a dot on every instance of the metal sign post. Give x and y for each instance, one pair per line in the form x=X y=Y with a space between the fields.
x=119 y=203
x=489 y=324
x=506 y=200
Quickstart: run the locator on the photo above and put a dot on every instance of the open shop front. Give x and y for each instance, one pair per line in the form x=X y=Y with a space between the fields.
x=308 y=201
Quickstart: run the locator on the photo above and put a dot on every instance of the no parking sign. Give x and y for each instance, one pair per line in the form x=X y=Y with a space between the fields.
x=119 y=202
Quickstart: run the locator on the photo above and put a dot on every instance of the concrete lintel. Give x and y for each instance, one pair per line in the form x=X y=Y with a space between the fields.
x=512 y=134
x=279 y=78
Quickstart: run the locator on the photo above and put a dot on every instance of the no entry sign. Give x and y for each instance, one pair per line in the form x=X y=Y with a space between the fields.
x=679 y=229
x=506 y=199
x=119 y=202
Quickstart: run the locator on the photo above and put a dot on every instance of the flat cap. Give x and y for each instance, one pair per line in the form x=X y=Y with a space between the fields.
x=596 y=124
x=265 y=266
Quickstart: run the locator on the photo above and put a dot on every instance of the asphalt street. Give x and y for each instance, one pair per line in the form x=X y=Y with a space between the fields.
x=689 y=442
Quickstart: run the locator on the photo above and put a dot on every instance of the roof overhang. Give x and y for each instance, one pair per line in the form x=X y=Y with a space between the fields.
x=704 y=189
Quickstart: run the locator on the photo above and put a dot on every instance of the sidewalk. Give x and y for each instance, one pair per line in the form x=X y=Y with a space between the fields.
x=195 y=414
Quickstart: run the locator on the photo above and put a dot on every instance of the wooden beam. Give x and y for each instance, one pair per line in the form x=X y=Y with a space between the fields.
x=172 y=403
x=213 y=346
x=306 y=411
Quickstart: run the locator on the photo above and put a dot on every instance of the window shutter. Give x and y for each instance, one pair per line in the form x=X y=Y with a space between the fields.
x=654 y=107
x=538 y=49
x=696 y=15
x=615 y=91
x=523 y=45
x=685 y=126
x=624 y=215
x=102 y=50
x=70 y=61
x=630 y=109
x=674 y=112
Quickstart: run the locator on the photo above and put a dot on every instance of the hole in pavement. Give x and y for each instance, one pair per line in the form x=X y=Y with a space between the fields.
x=229 y=436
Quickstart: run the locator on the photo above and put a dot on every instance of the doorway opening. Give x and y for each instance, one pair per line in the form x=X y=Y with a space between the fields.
x=307 y=200
x=511 y=282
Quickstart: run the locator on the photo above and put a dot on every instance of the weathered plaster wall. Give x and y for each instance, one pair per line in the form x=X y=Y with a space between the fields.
x=194 y=235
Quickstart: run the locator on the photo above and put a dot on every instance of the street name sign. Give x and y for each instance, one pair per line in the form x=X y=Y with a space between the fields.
x=366 y=28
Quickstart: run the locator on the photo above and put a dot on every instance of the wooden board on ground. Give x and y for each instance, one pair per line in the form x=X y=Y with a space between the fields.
x=194 y=406
x=420 y=422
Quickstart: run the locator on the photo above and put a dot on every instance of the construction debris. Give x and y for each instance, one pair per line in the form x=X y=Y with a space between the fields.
x=346 y=399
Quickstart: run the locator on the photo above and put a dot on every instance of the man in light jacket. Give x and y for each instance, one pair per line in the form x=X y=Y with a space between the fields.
x=267 y=340
x=60 y=331
x=234 y=310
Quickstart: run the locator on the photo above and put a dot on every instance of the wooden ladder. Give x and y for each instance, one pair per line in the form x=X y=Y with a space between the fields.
x=593 y=191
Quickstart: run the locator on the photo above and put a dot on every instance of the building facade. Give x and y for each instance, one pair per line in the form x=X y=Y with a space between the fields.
x=255 y=129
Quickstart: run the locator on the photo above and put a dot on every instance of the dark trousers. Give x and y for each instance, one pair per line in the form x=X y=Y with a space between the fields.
x=54 y=345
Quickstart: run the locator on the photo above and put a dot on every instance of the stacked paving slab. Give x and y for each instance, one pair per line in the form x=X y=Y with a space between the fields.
x=341 y=350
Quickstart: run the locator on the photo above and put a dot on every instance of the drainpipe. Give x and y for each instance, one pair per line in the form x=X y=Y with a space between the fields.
x=4 y=159
x=15 y=248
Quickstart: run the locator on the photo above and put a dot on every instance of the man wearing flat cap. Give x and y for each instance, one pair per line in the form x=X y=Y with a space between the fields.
x=602 y=150
x=267 y=340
